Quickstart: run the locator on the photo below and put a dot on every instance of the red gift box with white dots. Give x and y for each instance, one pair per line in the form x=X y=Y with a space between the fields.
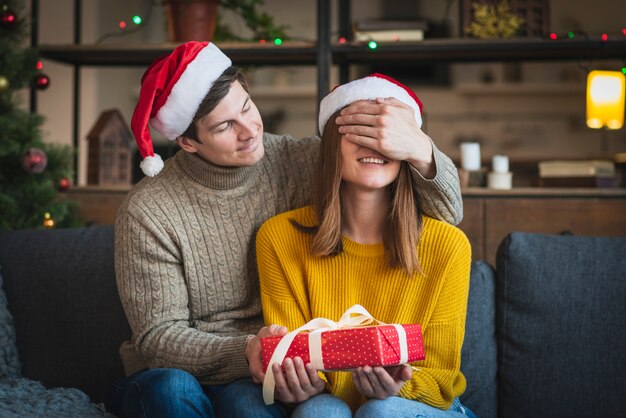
x=349 y=348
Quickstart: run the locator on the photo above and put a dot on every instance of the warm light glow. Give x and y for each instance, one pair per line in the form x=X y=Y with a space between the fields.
x=605 y=99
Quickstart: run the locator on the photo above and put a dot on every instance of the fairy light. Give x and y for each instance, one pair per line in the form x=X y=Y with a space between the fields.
x=342 y=40
x=554 y=36
x=278 y=41
x=372 y=45
x=122 y=24
x=137 y=20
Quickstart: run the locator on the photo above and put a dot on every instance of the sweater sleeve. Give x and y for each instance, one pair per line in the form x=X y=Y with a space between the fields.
x=440 y=197
x=153 y=291
x=438 y=379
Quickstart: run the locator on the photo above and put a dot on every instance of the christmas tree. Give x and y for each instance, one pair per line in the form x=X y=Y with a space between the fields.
x=32 y=173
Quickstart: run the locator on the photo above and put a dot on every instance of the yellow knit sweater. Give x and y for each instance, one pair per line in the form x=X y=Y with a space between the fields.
x=296 y=287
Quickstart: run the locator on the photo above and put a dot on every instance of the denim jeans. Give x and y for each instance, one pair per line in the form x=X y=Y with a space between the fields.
x=171 y=393
x=326 y=405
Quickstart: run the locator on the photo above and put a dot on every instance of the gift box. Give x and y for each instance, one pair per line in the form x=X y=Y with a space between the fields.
x=349 y=348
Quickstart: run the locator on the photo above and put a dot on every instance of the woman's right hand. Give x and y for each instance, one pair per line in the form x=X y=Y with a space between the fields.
x=298 y=382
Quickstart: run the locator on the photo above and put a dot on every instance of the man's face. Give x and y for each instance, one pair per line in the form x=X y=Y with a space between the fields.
x=232 y=134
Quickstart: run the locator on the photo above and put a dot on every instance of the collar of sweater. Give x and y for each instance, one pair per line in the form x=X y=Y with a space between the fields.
x=211 y=175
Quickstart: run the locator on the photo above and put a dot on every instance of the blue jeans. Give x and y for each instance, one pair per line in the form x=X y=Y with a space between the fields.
x=171 y=393
x=326 y=405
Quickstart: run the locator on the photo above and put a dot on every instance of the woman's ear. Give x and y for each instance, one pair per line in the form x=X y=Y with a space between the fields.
x=187 y=144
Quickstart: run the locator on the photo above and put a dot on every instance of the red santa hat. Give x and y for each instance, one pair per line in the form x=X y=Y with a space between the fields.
x=172 y=89
x=368 y=88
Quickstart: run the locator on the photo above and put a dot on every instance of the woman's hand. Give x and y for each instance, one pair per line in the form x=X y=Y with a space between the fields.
x=298 y=382
x=381 y=382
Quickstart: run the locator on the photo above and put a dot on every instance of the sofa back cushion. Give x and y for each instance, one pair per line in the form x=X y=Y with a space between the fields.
x=61 y=291
x=479 y=353
x=561 y=310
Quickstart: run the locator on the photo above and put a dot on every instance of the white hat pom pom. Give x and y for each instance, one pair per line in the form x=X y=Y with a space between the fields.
x=151 y=166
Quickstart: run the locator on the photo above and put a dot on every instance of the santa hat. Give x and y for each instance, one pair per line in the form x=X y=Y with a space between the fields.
x=172 y=89
x=368 y=88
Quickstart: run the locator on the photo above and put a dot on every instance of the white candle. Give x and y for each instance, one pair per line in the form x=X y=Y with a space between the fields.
x=470 y=156
x=500 y=164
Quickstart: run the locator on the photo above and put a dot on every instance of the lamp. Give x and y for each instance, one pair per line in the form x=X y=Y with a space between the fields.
x=605 y=99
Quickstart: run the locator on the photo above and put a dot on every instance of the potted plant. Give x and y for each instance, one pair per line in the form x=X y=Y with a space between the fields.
x=197 y=20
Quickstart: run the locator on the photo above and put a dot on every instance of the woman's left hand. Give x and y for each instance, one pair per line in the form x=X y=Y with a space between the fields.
x=381 y=382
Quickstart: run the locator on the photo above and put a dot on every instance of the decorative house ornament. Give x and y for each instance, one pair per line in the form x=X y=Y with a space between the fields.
x=110 y=151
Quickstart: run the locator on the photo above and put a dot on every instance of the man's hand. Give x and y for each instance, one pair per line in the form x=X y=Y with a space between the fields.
x=298 y=382
x=381 y=382
x=253 y=350
x=389 y=127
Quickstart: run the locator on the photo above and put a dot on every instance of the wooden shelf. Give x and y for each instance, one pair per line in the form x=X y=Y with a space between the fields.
x=289 y=53
x=477 y=50
x=304 y=53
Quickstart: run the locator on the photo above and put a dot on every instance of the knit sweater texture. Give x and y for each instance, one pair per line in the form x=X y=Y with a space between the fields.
x=185 y=260
x=297 y=287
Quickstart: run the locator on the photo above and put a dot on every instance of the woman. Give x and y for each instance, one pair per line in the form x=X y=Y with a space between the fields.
x=360 y=242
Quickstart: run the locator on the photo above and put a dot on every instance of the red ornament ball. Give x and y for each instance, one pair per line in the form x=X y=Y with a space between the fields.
x=8 y=19
x=42 y=81
x=34 y=160
x=64 y=184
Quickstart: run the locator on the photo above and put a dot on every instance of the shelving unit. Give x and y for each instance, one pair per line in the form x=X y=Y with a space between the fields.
x=325 y=52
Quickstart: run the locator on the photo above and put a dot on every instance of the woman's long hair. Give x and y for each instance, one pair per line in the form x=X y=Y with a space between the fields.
x=401 y=233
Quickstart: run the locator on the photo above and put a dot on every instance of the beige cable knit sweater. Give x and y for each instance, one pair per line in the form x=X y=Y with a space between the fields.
x=185 y=259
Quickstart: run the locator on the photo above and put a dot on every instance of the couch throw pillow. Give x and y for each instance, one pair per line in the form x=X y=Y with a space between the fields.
x=9 y=360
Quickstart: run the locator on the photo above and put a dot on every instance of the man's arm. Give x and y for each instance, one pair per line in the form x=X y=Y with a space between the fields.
x=153 y=291
x=389 y=127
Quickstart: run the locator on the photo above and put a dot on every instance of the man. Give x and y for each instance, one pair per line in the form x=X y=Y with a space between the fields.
x=184 y=251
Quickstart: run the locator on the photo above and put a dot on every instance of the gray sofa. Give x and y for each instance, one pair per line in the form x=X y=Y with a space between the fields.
x=545 y=335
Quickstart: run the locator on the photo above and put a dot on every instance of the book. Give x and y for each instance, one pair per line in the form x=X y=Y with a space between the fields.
x=583 y=168
x=401 y=35
x=585 y=181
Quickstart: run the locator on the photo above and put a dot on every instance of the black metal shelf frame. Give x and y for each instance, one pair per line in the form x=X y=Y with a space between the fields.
x=325 y=53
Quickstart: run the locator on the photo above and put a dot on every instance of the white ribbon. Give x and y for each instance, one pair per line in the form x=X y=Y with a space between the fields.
x=317 y=326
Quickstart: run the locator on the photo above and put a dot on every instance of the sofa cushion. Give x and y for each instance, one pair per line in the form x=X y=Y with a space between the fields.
x=69 y=322
x=9 y=361
x=478 y=356
x=560 y=320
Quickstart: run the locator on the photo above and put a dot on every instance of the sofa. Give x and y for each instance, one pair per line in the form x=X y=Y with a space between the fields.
x=545 y=331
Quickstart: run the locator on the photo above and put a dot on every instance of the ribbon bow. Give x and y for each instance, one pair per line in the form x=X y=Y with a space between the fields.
x=355 y=316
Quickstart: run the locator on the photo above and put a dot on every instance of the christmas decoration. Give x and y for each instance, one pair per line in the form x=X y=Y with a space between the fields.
x=494 y=21
x=64 y=184
x=4 y=84
x=48 y=222
x=42 y=81
x=30 y=168
x=8 y=19
x=34 y=161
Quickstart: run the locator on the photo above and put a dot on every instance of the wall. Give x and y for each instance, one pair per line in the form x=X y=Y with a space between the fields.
x=539 y=117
